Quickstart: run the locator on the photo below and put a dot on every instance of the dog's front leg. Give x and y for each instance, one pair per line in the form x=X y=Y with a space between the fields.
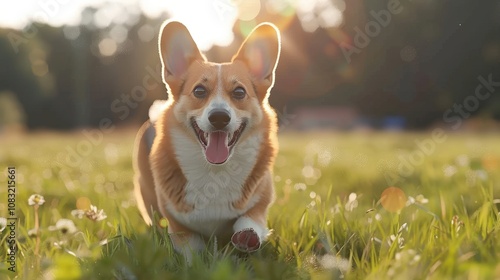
x=187 y=243
x=250 y=229
x=248 y=234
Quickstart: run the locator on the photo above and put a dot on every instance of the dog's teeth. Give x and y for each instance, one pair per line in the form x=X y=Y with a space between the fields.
x=206 y=135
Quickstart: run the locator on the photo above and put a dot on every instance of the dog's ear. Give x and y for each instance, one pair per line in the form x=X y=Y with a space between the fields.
x=260 y=53
x=177 y=51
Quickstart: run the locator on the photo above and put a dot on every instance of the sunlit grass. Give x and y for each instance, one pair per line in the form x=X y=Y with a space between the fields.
x=328 y=221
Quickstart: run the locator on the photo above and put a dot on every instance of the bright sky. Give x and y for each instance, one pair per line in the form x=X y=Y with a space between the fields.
x=217 y=15
x=198 y=15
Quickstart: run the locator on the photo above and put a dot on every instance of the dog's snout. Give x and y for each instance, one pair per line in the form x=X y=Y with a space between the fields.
x=219 y=118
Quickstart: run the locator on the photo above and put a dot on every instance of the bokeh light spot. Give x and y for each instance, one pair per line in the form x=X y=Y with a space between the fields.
x=83 y=203
x=119 y=33
x=146 y=33
x=393 y=199
x=102 y=19
x=248 y=9
x=490 y=163
x=71 y=32
x=40 y=68
x=163 y=222
x=107 y=47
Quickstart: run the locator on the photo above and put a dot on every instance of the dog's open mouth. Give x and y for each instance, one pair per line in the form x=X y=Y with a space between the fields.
x=217 y=144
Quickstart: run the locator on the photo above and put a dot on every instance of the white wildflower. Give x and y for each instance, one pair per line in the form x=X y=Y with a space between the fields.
x=32 y=232
x=375 y=239
x=334 y=262
x=457 y=223
x=93 y=213
x=336 y=209
x=474 y=175
x=36 y=199
x=403 y=227
x=400 y=241
x=416 y=259
x=312 y=195
x=421 y=199
x=300 y=187
x=407 y=257
x=462 y=160
x=352 y=202
x=411 y=200
x=449 y=170
x=78 y=213
x=60 y=244
x=377 y=217
x=3 y=223
x=311 y=204
x=324 y=158
x=65 y=226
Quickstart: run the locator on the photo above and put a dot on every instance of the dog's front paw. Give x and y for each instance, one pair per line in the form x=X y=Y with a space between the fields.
x=246 y=240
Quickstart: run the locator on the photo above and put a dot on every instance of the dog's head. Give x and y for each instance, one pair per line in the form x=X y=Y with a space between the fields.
x=219 y=105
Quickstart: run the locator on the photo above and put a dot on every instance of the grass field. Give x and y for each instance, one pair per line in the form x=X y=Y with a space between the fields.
x=335 y=215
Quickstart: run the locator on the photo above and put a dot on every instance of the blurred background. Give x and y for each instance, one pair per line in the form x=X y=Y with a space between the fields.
x=397 y=64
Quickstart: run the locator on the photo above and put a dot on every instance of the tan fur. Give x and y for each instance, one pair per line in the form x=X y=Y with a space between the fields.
x=143 y=181
x=159 y=177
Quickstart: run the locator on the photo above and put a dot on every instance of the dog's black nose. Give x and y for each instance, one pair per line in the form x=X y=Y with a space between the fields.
x=219 y=118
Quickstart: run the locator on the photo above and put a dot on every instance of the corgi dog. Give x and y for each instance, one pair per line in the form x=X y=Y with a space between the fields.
x=204 y=159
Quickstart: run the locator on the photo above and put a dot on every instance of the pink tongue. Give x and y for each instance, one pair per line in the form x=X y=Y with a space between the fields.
x=217 y=150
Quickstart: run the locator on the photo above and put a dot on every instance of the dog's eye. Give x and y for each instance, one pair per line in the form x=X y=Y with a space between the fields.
x=239 y=93
x=200 y=92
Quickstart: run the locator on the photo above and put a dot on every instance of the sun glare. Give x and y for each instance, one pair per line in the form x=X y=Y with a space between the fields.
x=209 y=21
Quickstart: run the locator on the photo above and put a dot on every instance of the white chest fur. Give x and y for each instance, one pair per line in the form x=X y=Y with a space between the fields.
x=213 y=188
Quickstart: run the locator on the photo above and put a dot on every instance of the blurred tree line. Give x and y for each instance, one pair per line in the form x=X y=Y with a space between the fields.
x=415 y=62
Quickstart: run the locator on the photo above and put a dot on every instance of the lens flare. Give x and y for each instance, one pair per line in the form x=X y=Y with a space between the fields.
x=490 y=163
x=83 y=203
x=393 y=199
